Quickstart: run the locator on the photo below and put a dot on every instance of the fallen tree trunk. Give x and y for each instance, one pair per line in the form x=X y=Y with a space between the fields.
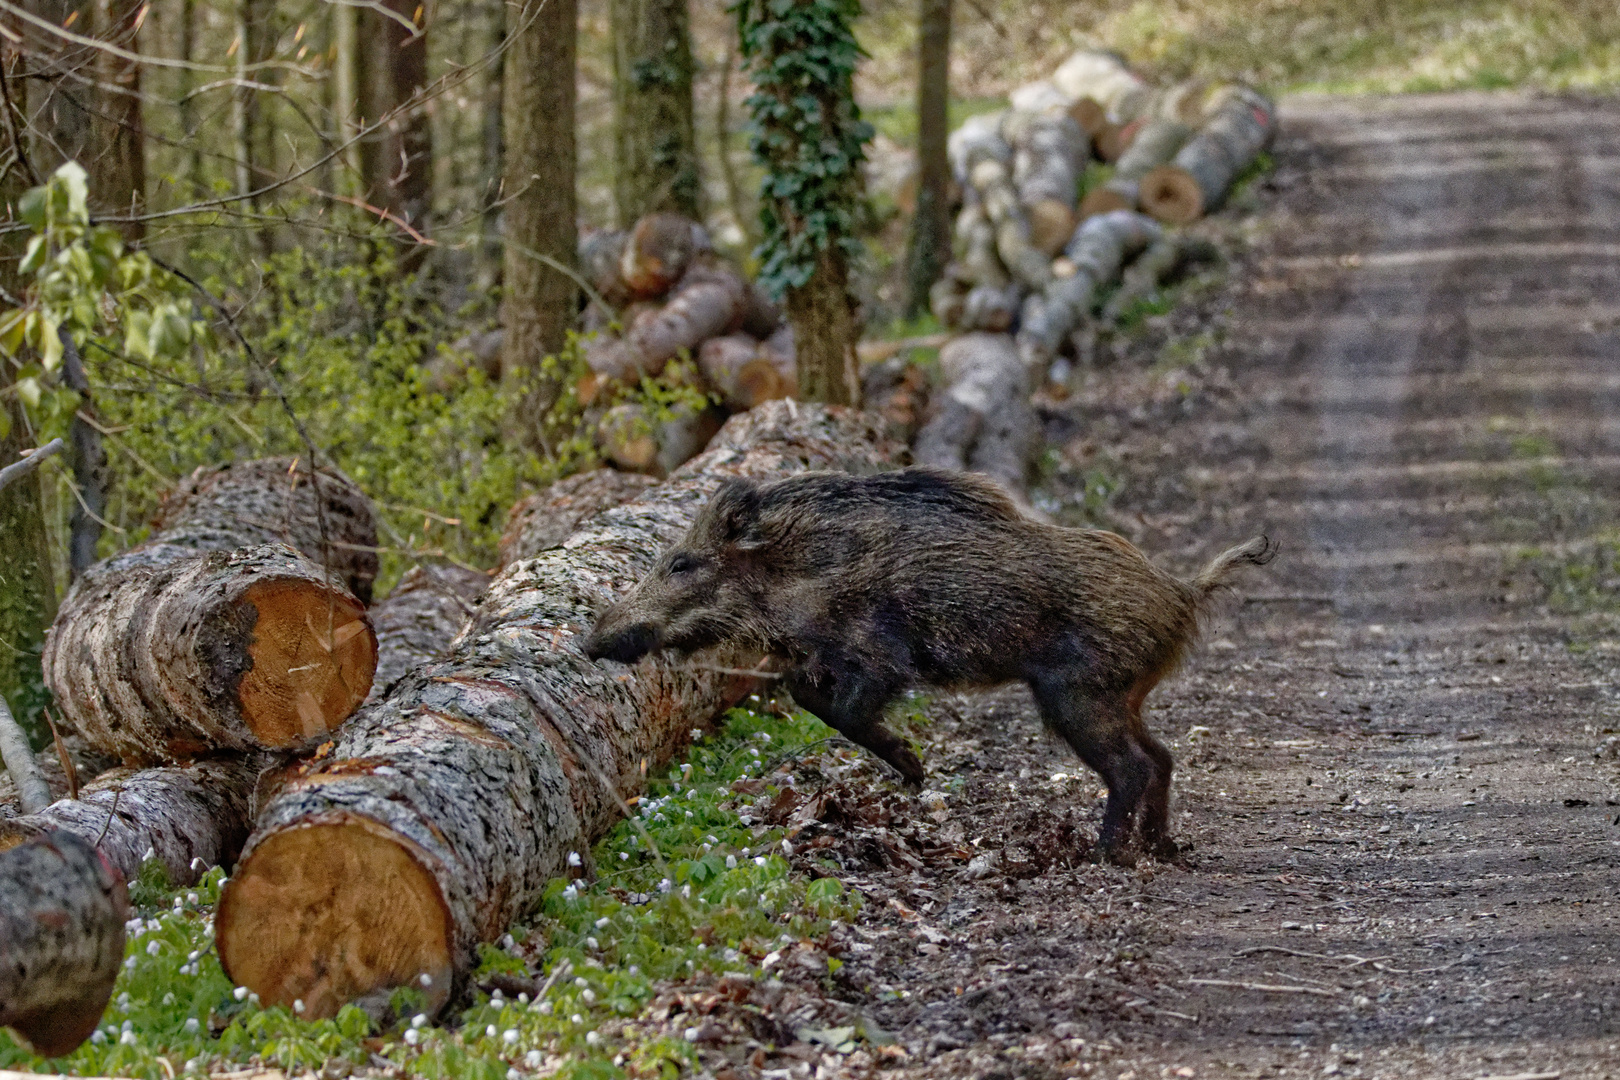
x=745 y=371
x=62 y=917
x=1164 y=259
x=416 y=622
x=1049 y=153
x=1097 y=82
x=1156 y=143
x=208 y=637
x=459 y=796
x=190 y=817
x=1197 y=181
x=983 y=421
x=710 y=300
x=657 y=252
x=634 y=438
x=547 y=518
x=1093 y=257
x=1029 y=265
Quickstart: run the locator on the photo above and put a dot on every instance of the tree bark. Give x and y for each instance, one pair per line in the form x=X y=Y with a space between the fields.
x=1198 y=180
x=397 y=160
x=983 y=421
x=1099 y=83
x=1166 y=258
x=545 y=519
x=60 y=93
x=213 y=635
x=461 y=795
x=930 y=246
x=825 y=332
x=417 y=621
x=346 y=93
x=631 y=437
x=538 y=302
x=655 y=139
x=1156 y=143
x=61 y=941
x=190 y=817
x=656 y=253
x=745 y=371
x=118 y=178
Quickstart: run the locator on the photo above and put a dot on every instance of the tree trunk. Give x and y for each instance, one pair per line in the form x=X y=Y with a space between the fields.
x=825 y=331
x=983 y=421
x=538 y=303
x=27 y=575
x=396 y=160
x=254 y=137
x=191 y=817
x=545 y=519
x=655 y=139
x=212 y=635
x=1166 y=258
x=346 y=93
x=1198 y=180
x=61 y=941
x=89 y=458
x=119 y=176
x=930 y=247
x=1029 y=265
x=417 y=621
x=60 y=89
x=462 y=794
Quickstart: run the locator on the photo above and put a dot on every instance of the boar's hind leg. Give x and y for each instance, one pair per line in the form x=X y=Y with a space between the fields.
x=1156 y=799
x=851 y=703
x=1098 y=727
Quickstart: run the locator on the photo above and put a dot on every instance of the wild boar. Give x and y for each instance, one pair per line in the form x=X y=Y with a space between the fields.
x=864 y=586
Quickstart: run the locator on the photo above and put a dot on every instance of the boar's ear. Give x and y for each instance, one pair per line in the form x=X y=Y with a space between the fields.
x=737 y=511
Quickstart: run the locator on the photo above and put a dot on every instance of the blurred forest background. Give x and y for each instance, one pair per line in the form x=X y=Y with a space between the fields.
x=303 y=215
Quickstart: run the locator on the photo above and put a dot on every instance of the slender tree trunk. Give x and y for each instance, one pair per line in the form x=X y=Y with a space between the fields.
x=27 y=588
x=118 y=180
x=345 y=94
x=89 y=459
x=59 y=91
x=397 y=160
x=722 y=134
x=493 y=151
x=539 y=302
x=930 y=247
x=187 y=107
x=655 y=138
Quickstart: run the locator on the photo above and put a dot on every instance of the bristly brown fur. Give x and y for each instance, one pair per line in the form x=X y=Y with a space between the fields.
x=866 y=586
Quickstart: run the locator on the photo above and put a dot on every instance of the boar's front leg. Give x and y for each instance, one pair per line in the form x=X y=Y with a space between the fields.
x=851 y=702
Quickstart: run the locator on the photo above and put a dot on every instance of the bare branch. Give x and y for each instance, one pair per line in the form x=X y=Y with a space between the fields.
x=19 y=469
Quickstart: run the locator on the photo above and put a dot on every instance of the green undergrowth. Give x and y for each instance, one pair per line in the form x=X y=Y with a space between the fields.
x=683 y=888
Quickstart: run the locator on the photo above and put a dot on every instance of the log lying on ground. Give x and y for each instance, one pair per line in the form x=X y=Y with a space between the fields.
x=1165 y=258
x=547 y=518
x=983 y=421
x=747 y=372
x=190 y=817
x=459 y=796
x=1097 y=82
x=62 y=917
x=1028 y=264
x=897 y=389
x=1049 y=153
x=1101 y=246
x=977 y=139
x=205 y=638
x=656 y=254
x=1198 y=179
x=634 y=438
x=710 y=300
x=1156 y=143
x=416 y=622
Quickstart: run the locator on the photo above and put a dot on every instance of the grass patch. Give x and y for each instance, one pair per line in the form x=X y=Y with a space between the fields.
x=687 y=887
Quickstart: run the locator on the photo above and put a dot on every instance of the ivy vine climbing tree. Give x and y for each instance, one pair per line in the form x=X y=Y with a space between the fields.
x=807 y=131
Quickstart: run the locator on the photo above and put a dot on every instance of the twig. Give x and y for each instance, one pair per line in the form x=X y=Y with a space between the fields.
x=1265 y=988
x=19 y=469
x=1356 y=961
x=755 y=672
x=33 y=793
x=1288 y=598
x=111 y=810
x=70 y=770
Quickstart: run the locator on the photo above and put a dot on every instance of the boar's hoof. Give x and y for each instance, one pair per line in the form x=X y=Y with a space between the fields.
x=626 y=645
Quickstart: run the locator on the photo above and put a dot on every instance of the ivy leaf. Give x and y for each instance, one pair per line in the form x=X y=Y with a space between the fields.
x=50 y=343
x=138 y=334
x=70 y=194
x=29 y=391
x=31 y=208
x=34 y=256
x=12 y=325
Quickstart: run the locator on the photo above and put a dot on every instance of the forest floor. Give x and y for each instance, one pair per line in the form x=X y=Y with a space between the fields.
x=1397 y=769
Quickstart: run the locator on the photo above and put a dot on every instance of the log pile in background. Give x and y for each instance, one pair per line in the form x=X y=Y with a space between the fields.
x=461 y=794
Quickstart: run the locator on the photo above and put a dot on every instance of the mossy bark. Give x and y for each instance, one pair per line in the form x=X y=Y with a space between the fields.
x=655 y=139
x=930 y=245
x=822 y=312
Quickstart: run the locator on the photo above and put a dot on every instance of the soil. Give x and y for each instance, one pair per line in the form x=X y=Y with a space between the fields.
x=1396 y=753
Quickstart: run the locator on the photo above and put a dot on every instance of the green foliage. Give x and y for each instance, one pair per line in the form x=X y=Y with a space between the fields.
x=684 y=887
x=806 y=130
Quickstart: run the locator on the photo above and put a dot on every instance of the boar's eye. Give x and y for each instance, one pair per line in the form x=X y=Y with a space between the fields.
x=682 y=564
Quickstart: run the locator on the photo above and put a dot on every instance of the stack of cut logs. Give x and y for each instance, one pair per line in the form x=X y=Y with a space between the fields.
x=1033 y=258
x=660 y=290
x=226 y=660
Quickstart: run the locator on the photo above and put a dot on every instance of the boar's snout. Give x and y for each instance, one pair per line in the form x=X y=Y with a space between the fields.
x=626 y=644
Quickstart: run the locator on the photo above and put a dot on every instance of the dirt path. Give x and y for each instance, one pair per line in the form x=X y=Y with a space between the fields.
x=1406 y=853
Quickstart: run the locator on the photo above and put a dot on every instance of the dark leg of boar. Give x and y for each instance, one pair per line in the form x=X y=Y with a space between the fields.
x=851 y=702
x=1156 y=799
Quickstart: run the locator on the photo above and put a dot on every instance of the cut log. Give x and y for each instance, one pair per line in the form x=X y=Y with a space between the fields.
x=710 y=300
x=897 y=389
x=600 y=254
x=1028 y=265
x=989 y=309
x=190 y=817
x=983 y=421
x=1199 y=178
x=33 y=793
x=761 y=316
x=1156 y=143
x=1049 y=152
x=1094 y=257
x=976 y=240
x=656 y=254
x=545 y=519
x=946 y=298
x=461 y=795
x=416 y=622
x=160 y=660
x=977 y=139
x=210 y=637
x=1101 y=77
x=633 y=438
x=268 y=500
x=1165 y=259
x=62 y=917
x=744 y=372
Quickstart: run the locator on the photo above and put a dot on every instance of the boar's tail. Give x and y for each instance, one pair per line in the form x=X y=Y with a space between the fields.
x=1255 y=552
